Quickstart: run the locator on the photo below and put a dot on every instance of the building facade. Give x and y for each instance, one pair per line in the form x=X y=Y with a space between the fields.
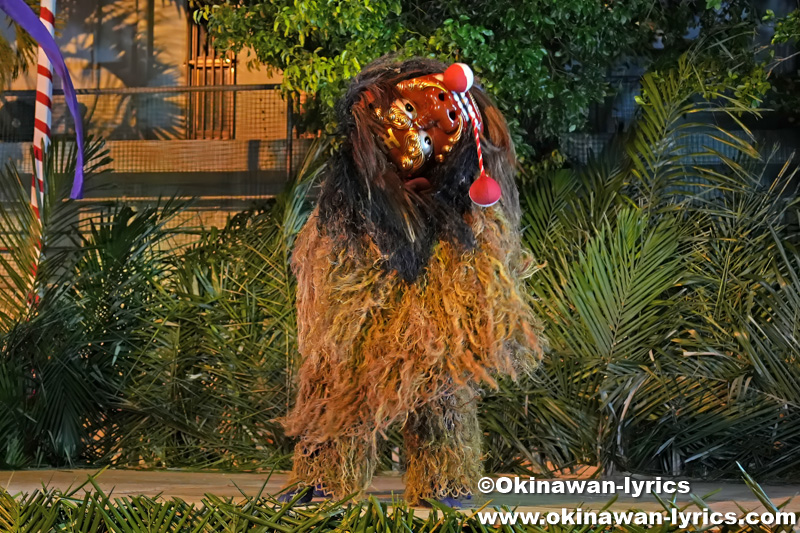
x=177 y=116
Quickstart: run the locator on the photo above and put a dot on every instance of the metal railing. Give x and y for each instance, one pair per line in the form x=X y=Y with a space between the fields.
x=156 y=113
x=230 y=141
x=221 y=142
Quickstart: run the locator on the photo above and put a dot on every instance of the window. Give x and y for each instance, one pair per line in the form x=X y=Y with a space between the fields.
x=211 y=109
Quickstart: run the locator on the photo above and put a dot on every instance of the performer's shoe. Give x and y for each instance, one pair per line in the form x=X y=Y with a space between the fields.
x=286 y=497
x=455 y=503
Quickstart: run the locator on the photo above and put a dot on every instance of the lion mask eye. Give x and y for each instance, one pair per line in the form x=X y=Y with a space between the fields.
x=408 y=108
x=426 y=143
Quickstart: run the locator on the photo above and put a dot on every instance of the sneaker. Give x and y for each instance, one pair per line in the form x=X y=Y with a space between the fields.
x=455 y=503
x=286 y=497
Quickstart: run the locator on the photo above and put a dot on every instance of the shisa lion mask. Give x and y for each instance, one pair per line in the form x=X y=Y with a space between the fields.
x=419 y=144
x=420 y=128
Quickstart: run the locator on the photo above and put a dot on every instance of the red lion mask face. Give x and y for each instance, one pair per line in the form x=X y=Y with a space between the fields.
x=422 y=125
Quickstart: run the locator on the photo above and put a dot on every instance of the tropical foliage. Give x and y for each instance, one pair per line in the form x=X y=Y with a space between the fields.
x=669 y=293
x=670 y=284
x=69 y=310
x=544 y=61
x=17 y=55
x=125 y=348
x=214 y=368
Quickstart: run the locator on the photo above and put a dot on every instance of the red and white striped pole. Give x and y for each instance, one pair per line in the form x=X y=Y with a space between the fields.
x=43 y=110
x=41 y=128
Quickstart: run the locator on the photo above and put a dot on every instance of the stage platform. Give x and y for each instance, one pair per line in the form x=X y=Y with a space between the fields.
x=192 y=486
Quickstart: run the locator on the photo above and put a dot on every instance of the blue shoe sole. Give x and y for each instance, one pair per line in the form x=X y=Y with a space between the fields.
x=455 y=503
x=286 y=497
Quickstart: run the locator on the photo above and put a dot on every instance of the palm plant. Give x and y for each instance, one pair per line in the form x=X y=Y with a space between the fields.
x=670 y=292
x=17 y=56
x=210 y=373
x=138 y=351
x=35 y=415
x=87 y=508
x=668 y=297
x=64 y=328
x=213 y=371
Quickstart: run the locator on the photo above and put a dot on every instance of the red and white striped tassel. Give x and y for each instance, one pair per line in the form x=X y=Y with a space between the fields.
x=43 y=110
x=484 y=191
x=459 y=78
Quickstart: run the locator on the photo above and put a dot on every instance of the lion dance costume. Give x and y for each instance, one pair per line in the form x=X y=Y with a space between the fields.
x=409 y=296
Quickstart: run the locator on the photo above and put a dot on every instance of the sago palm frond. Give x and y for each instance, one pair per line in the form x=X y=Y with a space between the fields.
x=63 y=366
x=20 y=234
x=661 y=300
x=211 y=376
x=614 y=289
x=214 y=371
x=296 y=200
x=676 y=139
x=23 y=237
x=29 y=279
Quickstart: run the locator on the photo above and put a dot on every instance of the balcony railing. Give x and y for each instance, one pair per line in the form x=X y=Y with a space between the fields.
x=231 y=141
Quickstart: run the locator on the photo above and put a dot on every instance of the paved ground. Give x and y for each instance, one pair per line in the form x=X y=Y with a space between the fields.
x=191 y=486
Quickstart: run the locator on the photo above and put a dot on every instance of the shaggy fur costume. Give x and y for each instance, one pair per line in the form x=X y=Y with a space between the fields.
x=407 y=304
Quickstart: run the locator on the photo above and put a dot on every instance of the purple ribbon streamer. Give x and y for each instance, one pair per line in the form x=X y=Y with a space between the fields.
x=23 y=15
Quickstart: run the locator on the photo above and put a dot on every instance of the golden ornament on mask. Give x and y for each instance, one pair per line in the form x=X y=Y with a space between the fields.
x=418 y=84
x=397 y=118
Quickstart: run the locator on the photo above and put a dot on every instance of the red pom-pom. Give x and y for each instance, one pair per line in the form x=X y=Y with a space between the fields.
x=485 y=191
x=458 y=77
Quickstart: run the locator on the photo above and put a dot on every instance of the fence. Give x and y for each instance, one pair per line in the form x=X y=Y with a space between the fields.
x=776 y=133
x=232 y=142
